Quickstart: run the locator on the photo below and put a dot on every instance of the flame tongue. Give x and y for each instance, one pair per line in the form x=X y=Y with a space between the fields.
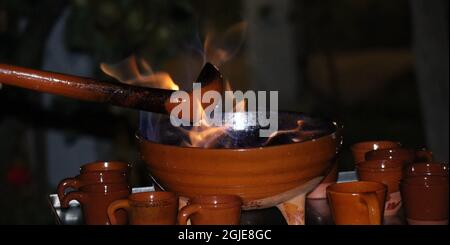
x=210 y=79
x=139 y=73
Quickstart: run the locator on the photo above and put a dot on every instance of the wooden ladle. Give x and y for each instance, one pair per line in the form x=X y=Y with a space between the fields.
x=118 y=94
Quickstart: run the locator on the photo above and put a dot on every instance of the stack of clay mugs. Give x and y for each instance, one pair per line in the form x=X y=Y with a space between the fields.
x=97 y=185
x=388 y=163
x=103 y=191
x=425 y=194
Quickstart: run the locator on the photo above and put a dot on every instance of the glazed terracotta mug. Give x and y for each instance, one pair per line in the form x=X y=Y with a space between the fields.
x=147 y=208
x=408 y=156
x=426 y=169
x=357 y=203
x=96 y=173
x=425 y=199
x=95 y=199
x=211 y=210
x=388 y=172
x=360 y=149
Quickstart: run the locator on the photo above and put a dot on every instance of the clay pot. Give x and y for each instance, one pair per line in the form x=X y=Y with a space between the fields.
x=95 y=199
x=408 y=156
x=426 y=169
x=279 y=174
x=96 y=173
x=212 y=210
x=252 y=173
x=360 y=149
x=147 y=208
x=425 y=199
x=357 y=203
x=388 y=172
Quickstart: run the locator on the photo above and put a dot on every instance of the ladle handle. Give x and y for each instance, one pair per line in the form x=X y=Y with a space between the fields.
x=148 y=99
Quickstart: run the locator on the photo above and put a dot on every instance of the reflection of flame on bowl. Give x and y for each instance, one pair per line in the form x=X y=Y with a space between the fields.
x=279 y=174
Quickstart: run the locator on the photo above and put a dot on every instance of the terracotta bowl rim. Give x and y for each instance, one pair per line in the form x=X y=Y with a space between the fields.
x=338 y=127
x=334 y=134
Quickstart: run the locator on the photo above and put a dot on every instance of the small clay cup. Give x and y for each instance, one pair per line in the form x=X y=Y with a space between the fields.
x=211 y=210
x=147 y=208
x=357 y=203
x=425 y=199
x=95 y=199
x=360 y=149
x=406 y=155
x=96 y=173
x=388 y=172
x=426 y=169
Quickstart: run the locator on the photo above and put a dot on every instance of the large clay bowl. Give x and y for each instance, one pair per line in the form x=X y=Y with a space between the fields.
x=252 y=173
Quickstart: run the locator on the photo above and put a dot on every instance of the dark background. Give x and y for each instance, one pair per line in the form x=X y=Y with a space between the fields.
x=379 y=67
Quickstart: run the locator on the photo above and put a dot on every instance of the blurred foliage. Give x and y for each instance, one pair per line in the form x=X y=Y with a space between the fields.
x=111 y=30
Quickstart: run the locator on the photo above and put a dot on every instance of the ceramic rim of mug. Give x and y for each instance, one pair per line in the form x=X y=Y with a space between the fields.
x=427 y=181
x=390 y=151
x=351 y=188
x=366 y=145
x=103 y=173
x=153 y=198
x=213 y=200
x=102 y=166
x=371 y=166
x=442 y=169
x=104 y=188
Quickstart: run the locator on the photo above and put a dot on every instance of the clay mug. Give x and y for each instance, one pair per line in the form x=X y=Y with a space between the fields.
x=425 y=200
x=95 y=199
x=147 y=208
x=406 y=155
x=426 y=169
x=388 y=172
x=211 y=210
x=357 y=203
x=96 y=173
x=360 y=149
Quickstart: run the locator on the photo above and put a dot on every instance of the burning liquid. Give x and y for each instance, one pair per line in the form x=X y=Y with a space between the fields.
x=157 y=128
x=240 y=131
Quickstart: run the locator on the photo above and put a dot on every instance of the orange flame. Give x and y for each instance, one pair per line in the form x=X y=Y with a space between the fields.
x=139 y=73
x=218 y=49
x=205 y=135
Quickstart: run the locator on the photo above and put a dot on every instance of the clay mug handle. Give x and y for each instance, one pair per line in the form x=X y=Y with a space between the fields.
x=424 y=154
x=373 y=205
x=114 y=206
x=66 y=183
x=186 y=212
x=74 y=195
